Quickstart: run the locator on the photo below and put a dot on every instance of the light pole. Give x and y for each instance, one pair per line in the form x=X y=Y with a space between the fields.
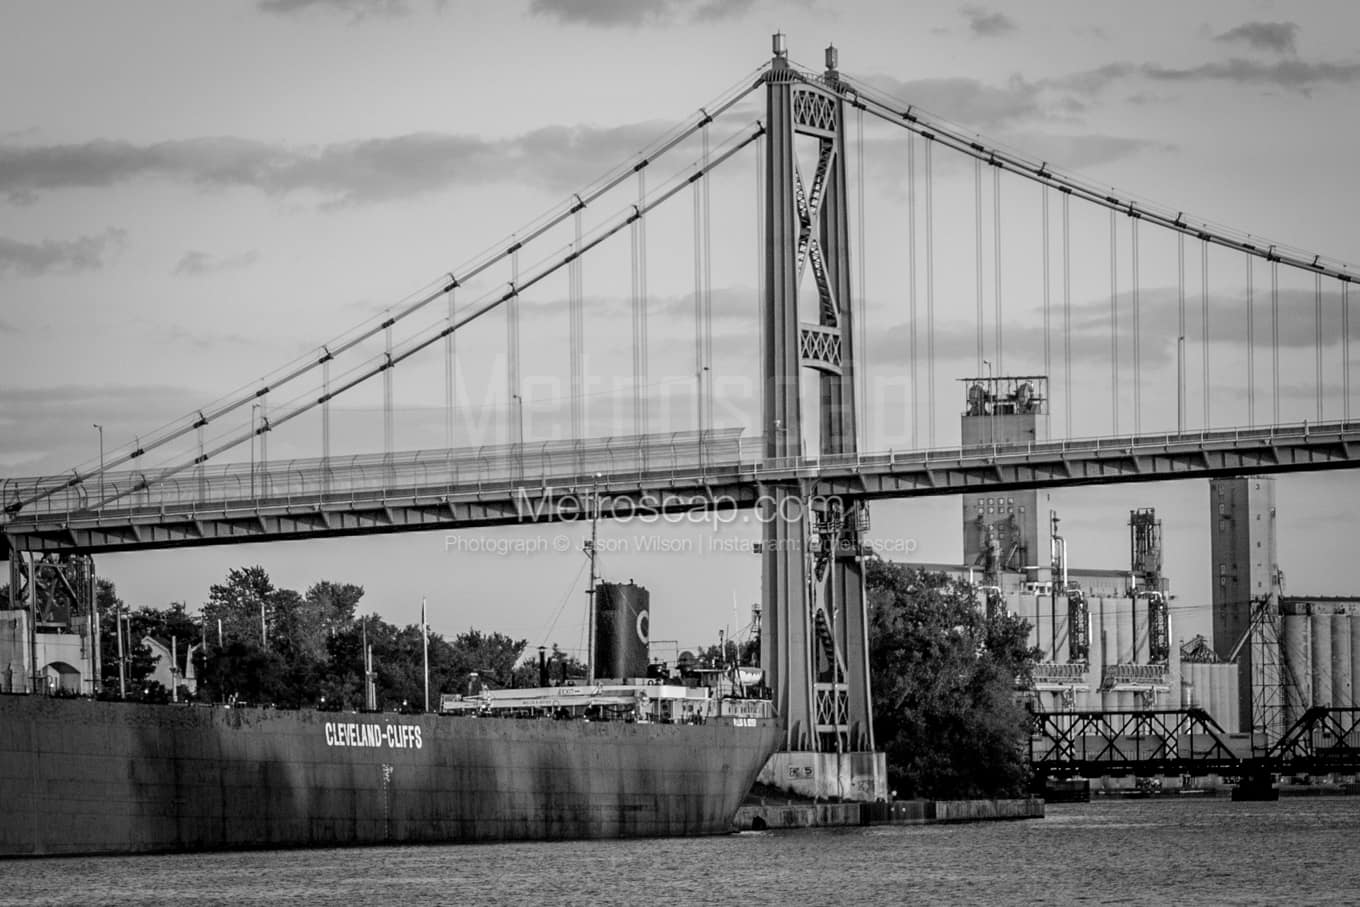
x=101 y=460
x=991 y=410
x=254 y=408
x=1180 y=383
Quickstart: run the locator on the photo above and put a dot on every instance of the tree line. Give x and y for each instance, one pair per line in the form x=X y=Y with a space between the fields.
x=258 y=643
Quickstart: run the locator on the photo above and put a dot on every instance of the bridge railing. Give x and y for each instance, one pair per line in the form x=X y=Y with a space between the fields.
x=579 y=463
x=576 y=464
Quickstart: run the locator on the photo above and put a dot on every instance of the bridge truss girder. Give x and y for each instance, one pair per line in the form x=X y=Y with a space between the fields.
x=1149 y=742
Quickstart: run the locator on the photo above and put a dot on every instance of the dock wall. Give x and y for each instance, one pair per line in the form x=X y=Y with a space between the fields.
x=758 y=817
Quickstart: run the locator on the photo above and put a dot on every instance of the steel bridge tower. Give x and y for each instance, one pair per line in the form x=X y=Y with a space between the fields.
x=814 y=644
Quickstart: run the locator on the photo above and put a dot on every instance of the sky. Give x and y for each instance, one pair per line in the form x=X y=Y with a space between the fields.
x=193 y=195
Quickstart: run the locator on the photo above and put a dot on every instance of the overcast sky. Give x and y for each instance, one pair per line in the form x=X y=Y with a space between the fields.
x=192 y=195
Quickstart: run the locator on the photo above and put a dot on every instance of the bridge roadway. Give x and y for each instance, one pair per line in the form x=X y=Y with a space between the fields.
x=640 y=476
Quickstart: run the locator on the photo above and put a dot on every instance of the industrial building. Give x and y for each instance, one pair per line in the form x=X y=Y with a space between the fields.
x=1292 y=652
x=1106 y=635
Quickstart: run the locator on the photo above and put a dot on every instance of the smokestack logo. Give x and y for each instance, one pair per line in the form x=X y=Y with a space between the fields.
x=643 y=626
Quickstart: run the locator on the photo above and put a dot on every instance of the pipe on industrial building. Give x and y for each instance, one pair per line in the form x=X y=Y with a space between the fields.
x=1342 y=694
x=1298 y=679
x=1322 y=658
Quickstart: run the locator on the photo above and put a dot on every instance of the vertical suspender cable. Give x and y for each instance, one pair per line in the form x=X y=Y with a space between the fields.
x=977 y=224
x=263 y=428
x=325 y=423
x=1274 y=343
x=448 y=376
x=698 y=241
x=759 y=145
x=996 y=263
x=930 y=298
x=639 y=237
x=911 y=290
x=1346 y=350
x=863 y=411
x=1067 y=307
x=1180 y=332
x=515 y=411
x=1048 y=321
x=1251 y=349
x=389 y=430
x=706 y=182
x=576 y=331
x=1317 y=342
x=1204 y=322
x=1114 y=325
x=1137 y=328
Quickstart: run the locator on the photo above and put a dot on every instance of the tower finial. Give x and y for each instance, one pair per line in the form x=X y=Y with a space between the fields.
x=777 y=45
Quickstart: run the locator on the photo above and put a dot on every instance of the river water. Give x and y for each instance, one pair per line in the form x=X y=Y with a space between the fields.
x=1187 y=850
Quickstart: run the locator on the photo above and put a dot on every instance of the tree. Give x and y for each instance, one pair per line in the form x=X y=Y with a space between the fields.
x=561 y=666
x=944 y=678
x=242 y=606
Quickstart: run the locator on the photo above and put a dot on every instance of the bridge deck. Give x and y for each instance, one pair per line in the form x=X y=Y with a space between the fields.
x=552 y=481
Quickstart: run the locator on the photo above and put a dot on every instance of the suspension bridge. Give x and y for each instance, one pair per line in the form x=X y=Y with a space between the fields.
x=1184 y=383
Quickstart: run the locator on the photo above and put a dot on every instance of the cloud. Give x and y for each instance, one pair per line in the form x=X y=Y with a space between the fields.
x=1080 y=152
x=986 y=24
x=1273 y=36
x=635 y=13
x=1295 y=75
x=358 y=9
x=969 y=100
x=48 y=429
x=85 y=253
x=367 y=170
x=194 y=263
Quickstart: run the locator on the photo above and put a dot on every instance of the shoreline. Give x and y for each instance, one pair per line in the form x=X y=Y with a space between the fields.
x=769 y=816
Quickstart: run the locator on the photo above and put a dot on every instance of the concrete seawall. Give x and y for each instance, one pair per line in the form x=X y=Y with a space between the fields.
x=758 y=817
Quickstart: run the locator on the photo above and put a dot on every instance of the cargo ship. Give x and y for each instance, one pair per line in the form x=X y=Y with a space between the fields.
x=631 y=750
x=79 y=776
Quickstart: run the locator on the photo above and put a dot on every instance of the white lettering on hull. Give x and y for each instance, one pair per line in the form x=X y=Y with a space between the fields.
x=391 y=736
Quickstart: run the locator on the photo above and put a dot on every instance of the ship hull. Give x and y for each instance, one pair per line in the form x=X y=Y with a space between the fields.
x=80 y=777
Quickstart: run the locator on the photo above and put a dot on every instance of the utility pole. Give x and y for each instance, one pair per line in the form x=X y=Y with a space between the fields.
x=425 y=645
x=122 y=662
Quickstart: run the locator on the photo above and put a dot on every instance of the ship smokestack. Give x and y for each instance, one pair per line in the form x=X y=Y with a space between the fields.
x=622 y=625
x=542 y=666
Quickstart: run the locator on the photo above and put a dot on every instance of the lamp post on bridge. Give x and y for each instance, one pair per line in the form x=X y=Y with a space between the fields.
x=100 y=428
x=254 y=408
x=1180 y=384
x=991 y=409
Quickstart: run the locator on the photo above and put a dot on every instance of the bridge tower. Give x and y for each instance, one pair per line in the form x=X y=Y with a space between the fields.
x=815 y=635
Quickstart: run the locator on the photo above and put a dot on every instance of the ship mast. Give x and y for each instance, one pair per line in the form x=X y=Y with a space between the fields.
x=590 y=590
